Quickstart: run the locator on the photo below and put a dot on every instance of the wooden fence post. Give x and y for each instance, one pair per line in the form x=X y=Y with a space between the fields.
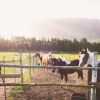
x=94 y=78
x=4 y=79
x=33 y=62
x=30 y=66
x=14 y=67
x=62 y=54
x=20 y=53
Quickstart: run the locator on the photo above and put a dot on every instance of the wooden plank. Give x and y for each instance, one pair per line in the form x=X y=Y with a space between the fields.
x=51 y=84
x=44 y=84
x=10 y=75
x=8 y=61
x=50 y=67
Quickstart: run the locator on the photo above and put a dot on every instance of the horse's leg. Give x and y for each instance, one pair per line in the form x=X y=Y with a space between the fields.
x=46 y=69
x=3 y=80
x=53 y=70
x=41 y=62
x=62 y=77
x=89 y=76
x=66 y=78
x=45 y=64
x=80 y=74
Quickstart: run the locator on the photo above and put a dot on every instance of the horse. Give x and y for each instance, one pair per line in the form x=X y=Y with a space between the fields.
x=64 y=72
x=88 y=58
x=44 y=58
x=59 y=62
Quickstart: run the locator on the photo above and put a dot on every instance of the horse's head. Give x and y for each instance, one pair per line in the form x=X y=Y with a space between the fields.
x=37 y=54
x=58 y=62
x=83 y=57
x=54 y=61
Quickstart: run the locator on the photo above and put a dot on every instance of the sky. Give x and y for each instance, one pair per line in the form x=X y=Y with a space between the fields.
x=19 y=17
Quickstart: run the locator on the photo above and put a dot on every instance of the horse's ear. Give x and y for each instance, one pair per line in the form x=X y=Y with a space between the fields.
x=87 y=49
x=58 y=59
x=84 y=50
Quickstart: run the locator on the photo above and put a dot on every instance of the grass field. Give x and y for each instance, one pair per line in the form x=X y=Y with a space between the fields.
x=12 y=56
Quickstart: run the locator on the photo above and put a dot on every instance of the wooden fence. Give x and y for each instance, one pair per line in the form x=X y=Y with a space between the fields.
x=41 y=67
x=19 y=75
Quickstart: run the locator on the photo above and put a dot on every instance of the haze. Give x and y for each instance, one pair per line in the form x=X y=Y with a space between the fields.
x=21 y=17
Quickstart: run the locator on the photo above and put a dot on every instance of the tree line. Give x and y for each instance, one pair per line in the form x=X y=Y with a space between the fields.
x=53 y=44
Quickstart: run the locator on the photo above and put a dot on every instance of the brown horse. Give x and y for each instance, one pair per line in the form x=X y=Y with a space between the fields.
x=45 y=58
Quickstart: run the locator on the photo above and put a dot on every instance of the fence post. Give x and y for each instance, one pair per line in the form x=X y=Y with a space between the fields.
x=3 y=79
x=30 y=66
x=33 y=62
x=20 y=53
x=94 y=78
x=62 y=54
x=69 y=55
x=14 y=67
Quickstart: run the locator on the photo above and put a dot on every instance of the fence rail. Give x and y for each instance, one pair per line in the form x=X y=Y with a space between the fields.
x=88 y=86
x=92 y=85
x=44 y=84
x=49 y=67
x=17 y=75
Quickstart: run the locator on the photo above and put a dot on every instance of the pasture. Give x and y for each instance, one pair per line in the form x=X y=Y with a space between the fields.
x=37 y=76
x=13 y=58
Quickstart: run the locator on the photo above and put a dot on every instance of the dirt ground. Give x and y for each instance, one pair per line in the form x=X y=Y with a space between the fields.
x=51 y=92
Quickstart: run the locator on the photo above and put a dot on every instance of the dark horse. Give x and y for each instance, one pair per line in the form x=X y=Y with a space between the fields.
x=64 y=72
x=89 y=58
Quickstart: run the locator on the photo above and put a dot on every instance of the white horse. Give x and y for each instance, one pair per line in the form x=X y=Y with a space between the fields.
x=89 y=59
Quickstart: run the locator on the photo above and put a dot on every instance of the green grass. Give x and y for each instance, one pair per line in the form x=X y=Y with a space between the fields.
x=67 y=56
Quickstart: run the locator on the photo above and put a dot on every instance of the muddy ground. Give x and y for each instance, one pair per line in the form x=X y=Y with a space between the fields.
x=51 y=92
